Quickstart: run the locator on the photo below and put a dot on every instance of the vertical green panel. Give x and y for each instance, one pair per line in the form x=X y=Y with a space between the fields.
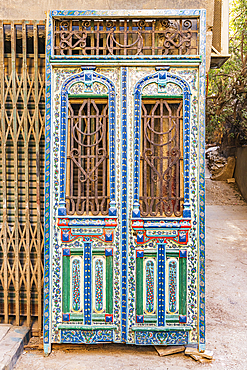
x=66 y=284
x=109 y=284
x=139 y=286
x=182 y=285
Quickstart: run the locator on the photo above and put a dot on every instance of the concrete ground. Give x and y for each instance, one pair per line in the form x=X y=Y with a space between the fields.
x=226 y=301
x=12 y=340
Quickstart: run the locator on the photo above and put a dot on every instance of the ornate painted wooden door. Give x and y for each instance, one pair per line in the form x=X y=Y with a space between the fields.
x=121 y=260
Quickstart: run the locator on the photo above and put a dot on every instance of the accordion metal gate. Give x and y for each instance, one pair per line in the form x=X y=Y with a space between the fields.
x=22 y=129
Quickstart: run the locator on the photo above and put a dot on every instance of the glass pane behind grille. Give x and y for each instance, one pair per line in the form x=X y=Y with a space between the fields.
x=161 y=188
x=126 y=37
x=87 y=158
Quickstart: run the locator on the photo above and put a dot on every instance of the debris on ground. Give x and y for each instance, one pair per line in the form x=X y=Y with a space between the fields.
x=202 y=357
x=231 y=180
x=220 y=167
x=193 y=352
x=169 y=350
x=216 y=162
x=34 y=343
x=226 y=172
x=195 y=357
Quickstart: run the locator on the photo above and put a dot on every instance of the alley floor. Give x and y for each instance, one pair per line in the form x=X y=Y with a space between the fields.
x=226 y=303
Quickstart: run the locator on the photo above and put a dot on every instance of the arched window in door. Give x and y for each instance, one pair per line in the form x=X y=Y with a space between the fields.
x=161 y=157
x=161 y=146
x=87 y=183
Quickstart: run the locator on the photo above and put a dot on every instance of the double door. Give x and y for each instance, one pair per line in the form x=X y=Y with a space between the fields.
x=121 y=205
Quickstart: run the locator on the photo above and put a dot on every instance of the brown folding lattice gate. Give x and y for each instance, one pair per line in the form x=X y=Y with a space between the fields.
x=22 y=91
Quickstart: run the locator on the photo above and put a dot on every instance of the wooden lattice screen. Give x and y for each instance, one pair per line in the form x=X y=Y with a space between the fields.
x=22 y=95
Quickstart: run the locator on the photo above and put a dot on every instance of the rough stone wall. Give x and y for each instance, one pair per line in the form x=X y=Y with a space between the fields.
x=241 y=170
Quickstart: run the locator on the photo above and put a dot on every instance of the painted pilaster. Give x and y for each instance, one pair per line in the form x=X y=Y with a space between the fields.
x=124 y=242
x=47 y=226
x=201 y=202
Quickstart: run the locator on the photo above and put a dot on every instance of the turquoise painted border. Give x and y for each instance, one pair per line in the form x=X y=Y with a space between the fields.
x=128 y=59
x=127 y=13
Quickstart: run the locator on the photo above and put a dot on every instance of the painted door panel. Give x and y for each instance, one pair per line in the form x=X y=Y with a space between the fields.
x=125 y=260
x=125 y=270
x=118 y=271
x=88 y=218
x=158 y=238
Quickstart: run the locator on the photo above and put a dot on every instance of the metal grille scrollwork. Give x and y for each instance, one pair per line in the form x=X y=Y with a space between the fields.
x=161 y=188
x=71 y=38
x=135 y=45
x=126 y=36
x=87 y=158
x=177 y=36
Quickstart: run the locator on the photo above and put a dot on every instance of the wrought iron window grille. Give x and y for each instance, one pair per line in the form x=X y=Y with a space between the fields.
x=87 y=187
x=126 y=37
x=161 y=175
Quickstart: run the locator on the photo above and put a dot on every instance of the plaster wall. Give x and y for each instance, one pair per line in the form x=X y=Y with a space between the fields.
x=30 y=9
